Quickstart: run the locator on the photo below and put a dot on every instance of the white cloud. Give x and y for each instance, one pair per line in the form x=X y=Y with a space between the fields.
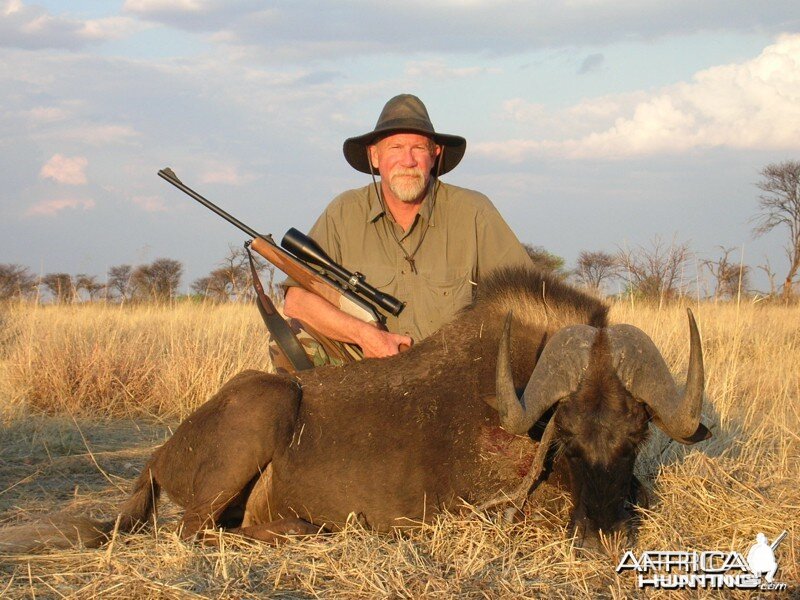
x=50 y=208
x=752 y=105
x=98 y=135
x=226 y=174
x=155 y=6
x=111 y=28
x=46 y=114
x=150 y=203
x=65 y=169
x=302 y=30
x=33 y=27
x=438 y=69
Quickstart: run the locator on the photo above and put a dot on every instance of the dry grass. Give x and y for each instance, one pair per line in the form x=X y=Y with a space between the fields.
x=149 y=364
x=108 y=360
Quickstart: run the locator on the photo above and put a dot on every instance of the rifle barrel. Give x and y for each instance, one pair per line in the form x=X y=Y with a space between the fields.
x=169 y=175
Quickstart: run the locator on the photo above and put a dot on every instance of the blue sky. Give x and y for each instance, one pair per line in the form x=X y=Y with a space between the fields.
x=591 y=124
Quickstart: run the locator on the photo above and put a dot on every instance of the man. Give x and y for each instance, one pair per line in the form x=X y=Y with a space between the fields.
x=423 y=241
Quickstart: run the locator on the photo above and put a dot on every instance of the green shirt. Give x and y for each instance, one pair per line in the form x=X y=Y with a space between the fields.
x=463 y=238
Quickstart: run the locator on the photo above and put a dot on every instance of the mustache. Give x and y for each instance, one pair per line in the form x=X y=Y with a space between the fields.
x=402 y=172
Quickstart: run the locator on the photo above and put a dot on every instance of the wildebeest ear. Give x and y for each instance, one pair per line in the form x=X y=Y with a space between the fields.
x=701 y=433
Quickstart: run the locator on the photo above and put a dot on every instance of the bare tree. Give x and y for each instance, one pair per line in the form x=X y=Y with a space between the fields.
x=157 y=281
x=593 y=268
x=16 y=281
x=779 y=205
x=546 y=260
x=61 y=286
x=655 y=272
x=88 y=284
x=232 y=281
x=235 y=273
x=731 y=277
x=119 y=281
x=767 y=268
x=213 y=286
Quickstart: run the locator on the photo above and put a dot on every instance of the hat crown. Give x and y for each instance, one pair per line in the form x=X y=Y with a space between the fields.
x=405 y=110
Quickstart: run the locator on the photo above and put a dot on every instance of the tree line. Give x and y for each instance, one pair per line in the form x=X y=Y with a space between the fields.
x=656 y=271
x=158 y=281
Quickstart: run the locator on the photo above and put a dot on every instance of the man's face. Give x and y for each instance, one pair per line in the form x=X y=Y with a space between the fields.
x=404 y=161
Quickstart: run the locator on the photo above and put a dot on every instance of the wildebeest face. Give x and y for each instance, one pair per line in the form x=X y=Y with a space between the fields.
x=598 y=432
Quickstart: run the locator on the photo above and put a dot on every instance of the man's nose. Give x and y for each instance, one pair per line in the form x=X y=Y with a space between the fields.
x=407 y=159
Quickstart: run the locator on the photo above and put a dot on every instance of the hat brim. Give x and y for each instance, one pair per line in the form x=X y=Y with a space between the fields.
x=355 y=148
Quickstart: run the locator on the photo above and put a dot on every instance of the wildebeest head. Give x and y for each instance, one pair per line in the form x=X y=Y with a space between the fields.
x=606 y=384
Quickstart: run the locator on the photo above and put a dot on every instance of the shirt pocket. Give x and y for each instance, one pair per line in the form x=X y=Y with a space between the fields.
x=441 y=296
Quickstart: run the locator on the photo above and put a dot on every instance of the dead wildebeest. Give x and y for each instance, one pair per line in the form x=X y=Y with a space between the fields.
x=396 y=440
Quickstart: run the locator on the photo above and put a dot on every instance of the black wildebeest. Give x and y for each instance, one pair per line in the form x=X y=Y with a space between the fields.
x=396 y=440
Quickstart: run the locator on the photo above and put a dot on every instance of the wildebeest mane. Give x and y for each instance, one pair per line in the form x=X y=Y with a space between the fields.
x=525 y=289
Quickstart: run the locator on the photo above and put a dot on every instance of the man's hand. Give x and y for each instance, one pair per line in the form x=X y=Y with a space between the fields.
x=377 y=343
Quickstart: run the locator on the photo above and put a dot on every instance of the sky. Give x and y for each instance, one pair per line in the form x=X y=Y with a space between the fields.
x=591 y=124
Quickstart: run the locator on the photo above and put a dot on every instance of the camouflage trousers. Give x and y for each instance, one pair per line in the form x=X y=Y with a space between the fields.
x=320 y=350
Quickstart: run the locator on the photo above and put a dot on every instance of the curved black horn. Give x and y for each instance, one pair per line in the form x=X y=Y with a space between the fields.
x=557 y=374
x=643 y=372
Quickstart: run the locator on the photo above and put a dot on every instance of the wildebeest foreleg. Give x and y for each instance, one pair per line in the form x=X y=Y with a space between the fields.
x=215 y=454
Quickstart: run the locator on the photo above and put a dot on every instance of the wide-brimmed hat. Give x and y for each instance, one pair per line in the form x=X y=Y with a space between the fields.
x=404 y=114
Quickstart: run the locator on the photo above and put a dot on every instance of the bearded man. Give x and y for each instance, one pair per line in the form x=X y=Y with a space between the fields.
x=423 y=241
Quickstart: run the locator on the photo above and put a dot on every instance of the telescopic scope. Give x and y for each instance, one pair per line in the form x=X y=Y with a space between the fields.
x=305 y=248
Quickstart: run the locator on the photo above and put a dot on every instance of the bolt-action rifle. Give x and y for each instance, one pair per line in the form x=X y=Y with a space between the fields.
x=302 y=259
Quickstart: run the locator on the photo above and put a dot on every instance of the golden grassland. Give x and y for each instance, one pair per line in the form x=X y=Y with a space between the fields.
x=87 y=392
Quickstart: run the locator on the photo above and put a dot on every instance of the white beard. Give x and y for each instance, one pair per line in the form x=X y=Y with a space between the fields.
x=405 y=188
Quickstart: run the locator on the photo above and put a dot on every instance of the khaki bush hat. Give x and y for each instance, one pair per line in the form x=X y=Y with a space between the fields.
x=404 y=114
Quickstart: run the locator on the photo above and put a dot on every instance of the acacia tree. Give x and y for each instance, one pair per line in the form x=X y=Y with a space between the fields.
x=157 y=281
x=779 y=205
x=593 y=268
x=88 y=284
x=119 y=281
x=16 y=281
x=655 y=272
x=61 y=286
x=545 y=260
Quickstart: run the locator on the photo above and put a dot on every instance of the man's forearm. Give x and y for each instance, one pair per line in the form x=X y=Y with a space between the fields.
x=328 y=320
x=323 y=316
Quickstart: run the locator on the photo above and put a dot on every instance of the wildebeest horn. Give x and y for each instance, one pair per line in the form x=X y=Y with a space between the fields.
x=556 y=375
x=643 y=372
